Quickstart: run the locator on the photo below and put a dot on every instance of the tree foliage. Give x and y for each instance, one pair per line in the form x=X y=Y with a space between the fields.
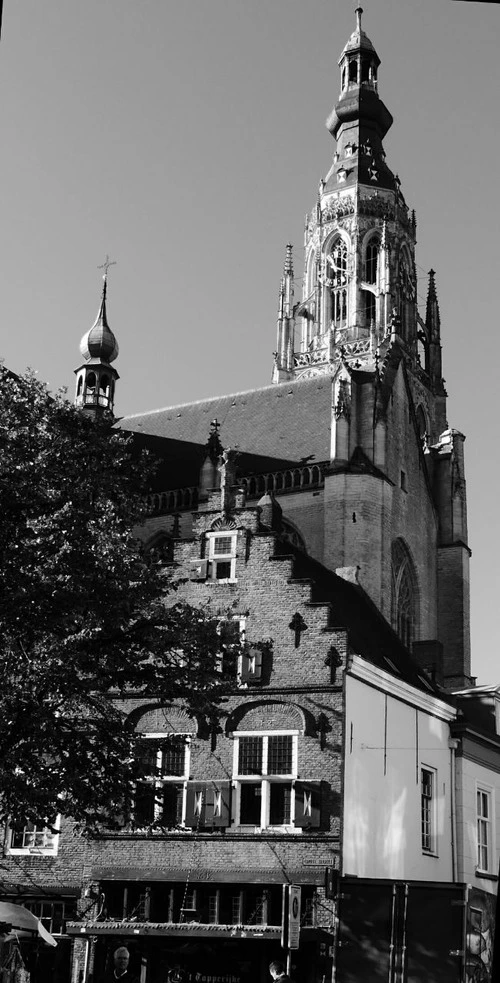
x=83 y=616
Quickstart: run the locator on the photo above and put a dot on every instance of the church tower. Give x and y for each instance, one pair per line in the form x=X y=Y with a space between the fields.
x=96 y=377
x=394 y=501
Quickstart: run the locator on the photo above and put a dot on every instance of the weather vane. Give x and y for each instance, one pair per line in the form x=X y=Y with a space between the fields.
x=106 y=265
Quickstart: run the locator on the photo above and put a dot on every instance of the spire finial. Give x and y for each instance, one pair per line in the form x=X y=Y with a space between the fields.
x=106 y=265
x=358 y=12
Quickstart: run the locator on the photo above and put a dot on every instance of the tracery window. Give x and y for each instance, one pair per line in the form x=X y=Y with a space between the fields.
x=404 y=593
x=337 y=275
x=371 y=260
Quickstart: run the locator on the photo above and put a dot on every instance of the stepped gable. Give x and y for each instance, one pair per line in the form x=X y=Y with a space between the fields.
x=370 y=635
x=282 y=424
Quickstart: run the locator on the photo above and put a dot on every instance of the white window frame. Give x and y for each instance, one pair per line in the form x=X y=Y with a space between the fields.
x=431 y=812
x=48 y=847
x=265 y=780
x=227 y=557
x=485 y=828
x=241 y=621
x=158 y=781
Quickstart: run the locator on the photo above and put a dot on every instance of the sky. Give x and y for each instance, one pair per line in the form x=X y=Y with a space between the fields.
x=187 y=140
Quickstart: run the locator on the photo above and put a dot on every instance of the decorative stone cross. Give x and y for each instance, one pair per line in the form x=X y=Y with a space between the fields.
x=297 y=625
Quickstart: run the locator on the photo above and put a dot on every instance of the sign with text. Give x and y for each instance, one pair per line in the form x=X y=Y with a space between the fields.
x=293 y=916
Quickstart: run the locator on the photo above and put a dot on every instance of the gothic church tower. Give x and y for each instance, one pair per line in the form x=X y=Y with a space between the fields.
x=395 y=507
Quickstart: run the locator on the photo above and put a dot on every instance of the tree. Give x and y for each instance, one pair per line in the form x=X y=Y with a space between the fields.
x=85 y=620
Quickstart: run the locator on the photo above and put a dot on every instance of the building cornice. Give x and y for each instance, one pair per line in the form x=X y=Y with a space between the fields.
x=387 y=683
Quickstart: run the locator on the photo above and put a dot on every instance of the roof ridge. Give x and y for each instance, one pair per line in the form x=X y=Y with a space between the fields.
x=214 y=399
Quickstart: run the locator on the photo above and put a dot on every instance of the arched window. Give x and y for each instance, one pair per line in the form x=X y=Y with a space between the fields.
x=369 y=307
x=365 y=70
x=423 y=427
x=353 y=70
x=291 y=535
x=371 y=260
x=337 y=275
x=404 y=593
x=344 y=77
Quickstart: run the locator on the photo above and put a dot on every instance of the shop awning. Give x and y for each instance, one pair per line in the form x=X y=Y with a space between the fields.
x=186 y=930
x=23 y=924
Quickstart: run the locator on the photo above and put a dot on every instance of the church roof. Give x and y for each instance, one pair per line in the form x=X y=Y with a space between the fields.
x=288 y=423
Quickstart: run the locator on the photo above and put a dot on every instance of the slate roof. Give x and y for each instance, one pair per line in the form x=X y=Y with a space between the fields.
x=288 y=423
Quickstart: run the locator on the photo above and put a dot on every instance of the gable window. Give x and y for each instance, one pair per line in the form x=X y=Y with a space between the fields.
x=428 y=809
x=159 y=796
x=222 y=555
x=484 y=829
x=38 y=840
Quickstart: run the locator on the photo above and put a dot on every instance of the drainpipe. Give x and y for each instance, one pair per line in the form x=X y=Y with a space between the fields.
x=453 y=744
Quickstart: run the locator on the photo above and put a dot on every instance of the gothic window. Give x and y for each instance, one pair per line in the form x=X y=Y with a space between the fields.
x=422 y=426
x=369 y=307
x=406 y=292
x=290 y=534
x=371 y=260
x=337 y=275
x=404 y=593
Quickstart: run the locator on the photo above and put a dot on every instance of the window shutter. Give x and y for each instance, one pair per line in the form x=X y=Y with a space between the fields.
x=218 y=811
x=208 y=805
x=251 y=666
x=144 y=804
x=308 y=804
x=196 y=804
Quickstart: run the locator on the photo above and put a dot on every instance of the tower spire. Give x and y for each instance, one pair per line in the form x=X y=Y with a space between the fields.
x=95 y=383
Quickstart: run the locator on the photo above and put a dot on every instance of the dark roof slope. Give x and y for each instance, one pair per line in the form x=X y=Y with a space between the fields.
x=370 y=635
x=289 y=422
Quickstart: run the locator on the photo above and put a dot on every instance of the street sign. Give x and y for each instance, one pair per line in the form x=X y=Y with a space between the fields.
x=293 y=916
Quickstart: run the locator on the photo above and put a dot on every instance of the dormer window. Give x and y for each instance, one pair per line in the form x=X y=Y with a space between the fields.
x=348 y=150
x=341 y=175
x=222 y=555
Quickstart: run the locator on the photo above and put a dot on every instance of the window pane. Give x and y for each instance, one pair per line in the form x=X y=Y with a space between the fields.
x=173 y=756
x=279 y=755
x=223 y=545
x=279 y=804
x=144 y=804
x=250 y=804
x=250 y=756
x=171 y=807
x=222 y=570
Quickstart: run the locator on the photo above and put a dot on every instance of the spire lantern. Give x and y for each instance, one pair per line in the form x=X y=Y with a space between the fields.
x=95 y=383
